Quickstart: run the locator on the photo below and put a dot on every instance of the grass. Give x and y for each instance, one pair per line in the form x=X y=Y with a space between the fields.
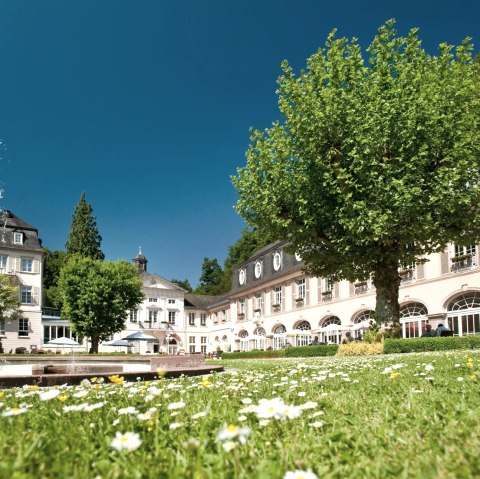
x=399 y=416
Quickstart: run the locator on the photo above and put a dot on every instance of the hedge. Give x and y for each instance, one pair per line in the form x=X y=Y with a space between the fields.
x=430 y=344
x=290 y=352
x=311 y=351
x=255 y=353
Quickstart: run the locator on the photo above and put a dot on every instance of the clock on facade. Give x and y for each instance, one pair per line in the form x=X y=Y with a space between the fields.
x=258 y=269
x=277 y=261
x=241 y=277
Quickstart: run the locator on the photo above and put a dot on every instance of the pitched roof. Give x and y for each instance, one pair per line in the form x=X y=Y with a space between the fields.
x=202 y=301
x=10 y=223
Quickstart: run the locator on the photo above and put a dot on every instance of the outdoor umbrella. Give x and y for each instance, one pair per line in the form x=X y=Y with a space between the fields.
x=65 y=342
x=140 y=336
x=120 y=343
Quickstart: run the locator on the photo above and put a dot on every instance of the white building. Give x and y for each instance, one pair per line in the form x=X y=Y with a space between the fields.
x=21 y=258
x=272 y=302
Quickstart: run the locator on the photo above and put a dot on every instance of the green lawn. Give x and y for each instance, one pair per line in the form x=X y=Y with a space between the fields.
x=409 y=416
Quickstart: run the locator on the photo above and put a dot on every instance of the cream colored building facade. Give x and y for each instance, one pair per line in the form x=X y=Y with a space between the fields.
x=21 y=258
x=273 y=303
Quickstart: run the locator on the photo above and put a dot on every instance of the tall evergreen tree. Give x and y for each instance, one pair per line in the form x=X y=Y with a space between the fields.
x=84 y=239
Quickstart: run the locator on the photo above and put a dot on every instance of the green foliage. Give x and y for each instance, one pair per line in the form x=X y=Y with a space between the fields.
x=376 y=161
x=430 y=344
x=52 y=264
x=97 y=295
x=360 y=348
x=254 y=354
x=9 y=299
x=84 y=239
x=311 y=351
x=183 y=283
x=211 y=278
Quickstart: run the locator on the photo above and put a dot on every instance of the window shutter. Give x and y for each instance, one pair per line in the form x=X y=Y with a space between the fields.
x=444 y=262
x=36 y=266
x=294 y=293
x=336 y=288
x=307 y=290
x=282 y=305
x=18 y=264
x=420 y=273
x=351 y=289
x=35 y=295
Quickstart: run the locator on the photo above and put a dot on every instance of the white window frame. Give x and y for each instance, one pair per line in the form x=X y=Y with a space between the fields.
x=152 y=316
x=203 y=319
x=3 y=263
x=277 y=291
x=26 y=265
x=133 y=316
x=172 y=317
x=17 y=237
x=26 y=295
x=191 y=319
x=23 y=327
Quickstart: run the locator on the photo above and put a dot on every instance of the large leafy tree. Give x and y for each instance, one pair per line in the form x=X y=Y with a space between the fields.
x=84 y=239
x=96 y=296
x=373 y=163
x=211 y=278
x=183 y=283
x=53 y=263
x=9 y=299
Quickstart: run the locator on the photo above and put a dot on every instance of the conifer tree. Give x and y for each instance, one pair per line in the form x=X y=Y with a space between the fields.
x=84 y=239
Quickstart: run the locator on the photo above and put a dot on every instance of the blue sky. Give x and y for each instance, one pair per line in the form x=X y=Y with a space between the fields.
x=145 y=105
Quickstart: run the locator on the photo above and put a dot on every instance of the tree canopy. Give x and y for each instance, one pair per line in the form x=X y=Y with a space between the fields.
x=9 y=299
x=211 y=278
x=183 y=283
x=373 y=163
x=53 y=263
x=84 y=239
x=96 y=296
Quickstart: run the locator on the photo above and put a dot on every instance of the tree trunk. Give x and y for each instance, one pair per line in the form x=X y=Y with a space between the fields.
x=387 y=282
x=95 y=341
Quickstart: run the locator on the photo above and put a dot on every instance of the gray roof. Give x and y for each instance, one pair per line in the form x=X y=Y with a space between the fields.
x=203 y=301
x=13 y=224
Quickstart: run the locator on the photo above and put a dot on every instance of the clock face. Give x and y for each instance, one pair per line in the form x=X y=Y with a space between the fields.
x=241 y=277
x=258 y=269
x=277 y=261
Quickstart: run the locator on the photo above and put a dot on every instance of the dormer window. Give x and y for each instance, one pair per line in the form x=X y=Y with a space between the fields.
x=17 y=237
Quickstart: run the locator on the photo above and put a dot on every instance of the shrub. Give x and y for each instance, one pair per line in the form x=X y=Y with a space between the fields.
x=255 y=353
x=360 y=348
x=430 y=344
x=310 y=351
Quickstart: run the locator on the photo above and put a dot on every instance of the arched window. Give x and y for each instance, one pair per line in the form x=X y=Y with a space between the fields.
x=279 y=336
x=463 y=314
x=413 y=309
x=330 y=320
x=305 y=338
x=413 y=318
x=260 y=332
x=303 y=326
x=243 y=334
x=364 y=316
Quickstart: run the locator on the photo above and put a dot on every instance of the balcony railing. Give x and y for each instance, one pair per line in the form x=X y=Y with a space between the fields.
x=161 y=325
x=407 y=275
x=327 y=296
x=463 y=262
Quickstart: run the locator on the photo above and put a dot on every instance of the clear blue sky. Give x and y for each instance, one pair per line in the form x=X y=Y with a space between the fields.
x=145 y=105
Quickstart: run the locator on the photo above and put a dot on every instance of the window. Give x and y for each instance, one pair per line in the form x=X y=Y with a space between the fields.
x=152 y=316
x=407 y=272
x=203 y=344
x=191 y=339
x=241 y=307
x=3 y=264
x=152 y=300
x=26 y=265
x=327 y=289
x=171 y=301
x=23 y=327
x=258 y=302
x=171 y=317
x=278 y=296
x=26 y=296
x=301 y=288
x=203 y=319
x=2 y=327
x=191 y=320
x=17 y=238
x=464 y=258
x=133 y=315
x=191 y=349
